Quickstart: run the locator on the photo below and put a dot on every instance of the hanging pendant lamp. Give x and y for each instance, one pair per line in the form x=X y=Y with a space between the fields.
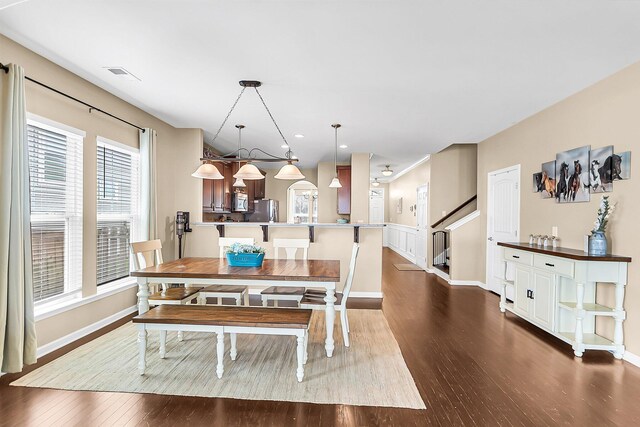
x=335 y=182
x=239 y=182
x=247 y=171
x=207 y=171
x=289 y=171
x=386 y=171
x=375 y=182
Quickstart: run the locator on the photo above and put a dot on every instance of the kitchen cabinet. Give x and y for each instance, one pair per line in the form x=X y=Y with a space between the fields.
x=344 y=193
x=207 y=195
x=216 y=193
x=259 y=188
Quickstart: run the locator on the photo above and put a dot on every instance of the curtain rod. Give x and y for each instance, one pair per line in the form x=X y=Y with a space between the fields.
x=91 y=107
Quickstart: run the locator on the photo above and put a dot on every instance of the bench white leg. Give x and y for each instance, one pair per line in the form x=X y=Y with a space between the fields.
x=238 y=300
x=275 y=302
x=345 y=328
x=246 y=298
x=201 y=300
x=306 y=345
x=265 y=301
x=234 y=349
x=163 y=344
x=300 y=371
x=142 y=349
x=220 y=348
x=330 y=314
x=180 y=336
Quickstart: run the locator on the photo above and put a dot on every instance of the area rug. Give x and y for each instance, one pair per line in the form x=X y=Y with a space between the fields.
x=371 y=372
x=407 y=267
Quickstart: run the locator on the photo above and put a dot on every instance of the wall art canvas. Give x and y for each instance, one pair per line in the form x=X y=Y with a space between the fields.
x=572 y=175
x=600 y=170
x=624 y=171
x=537 y=182
x=549 y=180
x=399 y=206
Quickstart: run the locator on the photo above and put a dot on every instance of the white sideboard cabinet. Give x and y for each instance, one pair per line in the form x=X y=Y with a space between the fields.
x=555 y=289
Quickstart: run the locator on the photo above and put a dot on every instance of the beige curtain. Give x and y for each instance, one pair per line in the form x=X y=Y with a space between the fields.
x=17 y=325
x=148 y=179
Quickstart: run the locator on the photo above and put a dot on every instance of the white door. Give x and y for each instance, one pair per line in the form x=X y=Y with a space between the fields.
x=376 y=206
x=503 y=221
x=542 y=297
x=421 y=225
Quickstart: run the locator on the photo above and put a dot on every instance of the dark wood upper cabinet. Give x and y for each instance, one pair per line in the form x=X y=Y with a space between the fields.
x=259 y=188
x=344 y=193
x=207 y=195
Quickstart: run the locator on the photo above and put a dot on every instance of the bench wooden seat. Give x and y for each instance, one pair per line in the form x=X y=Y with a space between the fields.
x=224 y=291
x=224 y=319
x=179 y=295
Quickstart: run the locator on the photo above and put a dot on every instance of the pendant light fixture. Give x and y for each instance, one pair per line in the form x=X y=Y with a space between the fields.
x=386 y=171
x=239 y=182
x=248 y=170
x=207 y=171
x=335 y=182
x=375 y=182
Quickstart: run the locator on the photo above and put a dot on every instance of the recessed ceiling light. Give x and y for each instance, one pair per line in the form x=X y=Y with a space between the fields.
x=121 y=72
x=343 y=146
x=299 y=135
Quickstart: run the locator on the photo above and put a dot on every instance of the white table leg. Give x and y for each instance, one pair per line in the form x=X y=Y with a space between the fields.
x=330 y=317
x=234 y=349
x=143 y=295
x=300 y=371
x=220 y=349
x=237 y=300
x=163 y=344
x=142 y=348
x=306 y=345
x=180 y=336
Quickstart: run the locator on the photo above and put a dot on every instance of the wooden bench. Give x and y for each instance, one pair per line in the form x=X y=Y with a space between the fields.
x=221 y=320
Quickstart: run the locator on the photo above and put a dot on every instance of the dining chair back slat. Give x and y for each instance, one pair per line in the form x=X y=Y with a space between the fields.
x=291 y=247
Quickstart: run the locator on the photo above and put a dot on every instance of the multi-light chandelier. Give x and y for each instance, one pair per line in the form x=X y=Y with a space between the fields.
x=248 y=171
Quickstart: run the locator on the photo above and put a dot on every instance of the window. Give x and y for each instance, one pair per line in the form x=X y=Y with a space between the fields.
x=55 y=173
x=118 y=215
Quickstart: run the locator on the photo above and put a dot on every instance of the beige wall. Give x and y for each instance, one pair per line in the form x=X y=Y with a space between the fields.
x=463 y=244
x=327 y=197
x=360 y=188
x=603 y=114
x=454 y=171
x=171 y=156
x=405 y=187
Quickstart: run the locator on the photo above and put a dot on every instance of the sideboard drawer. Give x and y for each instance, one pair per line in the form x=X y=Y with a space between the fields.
x=521 y=257
x=554 y=265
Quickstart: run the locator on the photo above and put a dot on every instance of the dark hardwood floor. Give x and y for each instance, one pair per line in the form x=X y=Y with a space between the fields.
x=472 y=365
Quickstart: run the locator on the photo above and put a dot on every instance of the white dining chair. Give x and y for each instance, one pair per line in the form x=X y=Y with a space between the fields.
x=149 y=254
x=315 y=299
x=238 y=293
x=284 y=293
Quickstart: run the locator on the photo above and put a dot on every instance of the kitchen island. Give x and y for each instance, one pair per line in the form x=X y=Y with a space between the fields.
x=329 y=241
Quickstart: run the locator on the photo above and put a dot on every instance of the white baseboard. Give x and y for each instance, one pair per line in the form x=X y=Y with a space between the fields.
x=410 y=258
x=466 y=283
x=440 y=274
x=68 y=339
x=634 y=359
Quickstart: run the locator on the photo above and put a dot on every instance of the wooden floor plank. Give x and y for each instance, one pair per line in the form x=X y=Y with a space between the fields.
x=472 y=365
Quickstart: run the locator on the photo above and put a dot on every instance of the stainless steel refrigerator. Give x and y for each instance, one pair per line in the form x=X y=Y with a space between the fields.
x=265 y=210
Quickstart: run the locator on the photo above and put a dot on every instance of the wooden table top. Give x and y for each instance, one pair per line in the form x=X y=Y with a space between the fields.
x=574 y=254
x=268 y=317
x=272 y=269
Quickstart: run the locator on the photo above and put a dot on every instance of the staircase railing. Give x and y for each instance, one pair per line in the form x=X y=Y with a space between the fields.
x=440 y=241
x=453 y=212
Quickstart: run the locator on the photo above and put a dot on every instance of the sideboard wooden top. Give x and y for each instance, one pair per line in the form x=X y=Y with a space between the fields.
x=565 y=252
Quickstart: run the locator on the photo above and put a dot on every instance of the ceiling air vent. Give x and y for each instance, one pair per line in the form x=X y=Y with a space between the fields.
x=122 y=73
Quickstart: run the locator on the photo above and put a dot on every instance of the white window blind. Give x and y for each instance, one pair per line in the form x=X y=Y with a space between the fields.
x=118 y=212
x=55 y=173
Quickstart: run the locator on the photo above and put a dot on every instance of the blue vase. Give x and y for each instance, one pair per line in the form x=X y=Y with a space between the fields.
x=597 y=243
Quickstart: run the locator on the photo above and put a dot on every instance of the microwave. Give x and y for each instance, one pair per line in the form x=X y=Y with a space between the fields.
x=240 y=202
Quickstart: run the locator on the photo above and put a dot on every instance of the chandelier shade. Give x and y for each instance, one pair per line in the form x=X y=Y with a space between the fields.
x=289 y=171
x=335 y=183
x=386 y=171
x=207 y=171
x=239 y=183
x=375 y=183
x=248 y=171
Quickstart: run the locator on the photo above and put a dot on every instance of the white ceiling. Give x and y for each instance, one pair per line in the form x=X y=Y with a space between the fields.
x=405 y=78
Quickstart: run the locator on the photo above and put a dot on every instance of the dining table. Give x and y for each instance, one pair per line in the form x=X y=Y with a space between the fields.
x=198 y=271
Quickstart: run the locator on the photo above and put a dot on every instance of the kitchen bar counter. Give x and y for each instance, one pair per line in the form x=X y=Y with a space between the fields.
x=265 y=227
